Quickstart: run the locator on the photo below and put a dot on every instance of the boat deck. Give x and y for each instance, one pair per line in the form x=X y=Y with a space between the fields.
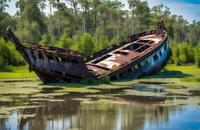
x=123 y=55
x=140 y=54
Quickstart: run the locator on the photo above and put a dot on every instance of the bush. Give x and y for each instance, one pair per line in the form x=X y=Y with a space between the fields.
x=44 y=39
x=89 y=81
x=9 y=55
x=101 y=43
x=184 y=53
x=105 y=80
x=65 y=42
x=197 y=57
x=86 y=44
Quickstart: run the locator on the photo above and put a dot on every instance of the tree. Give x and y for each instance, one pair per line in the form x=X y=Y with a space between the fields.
x=86 y=44
x=143 y=16
x=85 y=7
x=89 y=26
x=6 y=21
x=183 y=53
x=3 y=5
x=74 y=5
x=65 y=42
x=32 y=25
x=180 y=29
x=132 y=6
x=9 y=55
x=197 y=57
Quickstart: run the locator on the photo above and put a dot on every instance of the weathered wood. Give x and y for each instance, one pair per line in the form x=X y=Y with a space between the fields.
x=142 y=54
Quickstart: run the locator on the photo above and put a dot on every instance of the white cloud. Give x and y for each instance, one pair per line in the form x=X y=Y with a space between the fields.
x=187 y=10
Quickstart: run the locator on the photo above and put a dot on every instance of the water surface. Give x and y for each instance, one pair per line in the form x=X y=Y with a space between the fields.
x=106 y=110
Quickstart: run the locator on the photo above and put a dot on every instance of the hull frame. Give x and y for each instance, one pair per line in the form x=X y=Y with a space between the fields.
x=52 y=64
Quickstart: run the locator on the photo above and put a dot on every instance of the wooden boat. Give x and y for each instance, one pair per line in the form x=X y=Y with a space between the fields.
x=142 y=54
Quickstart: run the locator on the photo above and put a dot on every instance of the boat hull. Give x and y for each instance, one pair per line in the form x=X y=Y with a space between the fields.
x=144 y=53
x=146 y=65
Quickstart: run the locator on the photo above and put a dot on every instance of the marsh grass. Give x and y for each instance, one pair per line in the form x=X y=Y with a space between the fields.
x=175 y=76
x=12 y=72
x=194 y=79
x=189 y=69
x=188 y=73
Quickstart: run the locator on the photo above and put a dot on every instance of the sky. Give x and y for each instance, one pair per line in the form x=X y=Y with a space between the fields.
x=189 y=9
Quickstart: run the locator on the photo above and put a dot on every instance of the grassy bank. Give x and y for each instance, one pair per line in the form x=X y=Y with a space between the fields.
x=190 y=69
x=171 y=71
x=189 y=73
x=12 y=72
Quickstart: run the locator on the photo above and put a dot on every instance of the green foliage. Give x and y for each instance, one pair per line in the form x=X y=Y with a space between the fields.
x=101 y=43
x=9 y=55
x=44 y=39
x=184 y=53
x=89 y=26
x=103 y=80
x=86 y=44
x=31 y=22
x=175 y=55
x=3 y=5
x=197 y=56
x=89 y=81
x=5 y=21
x=65 y=42
x=143 y=16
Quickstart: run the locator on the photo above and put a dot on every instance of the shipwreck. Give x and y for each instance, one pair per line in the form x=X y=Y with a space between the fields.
x=142 y=54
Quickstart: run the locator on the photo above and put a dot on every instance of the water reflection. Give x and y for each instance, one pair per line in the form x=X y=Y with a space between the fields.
x=93 y=116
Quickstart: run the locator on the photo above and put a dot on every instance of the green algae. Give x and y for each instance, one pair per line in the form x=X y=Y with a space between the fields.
x=193 y=79
x=102 y=103
x=5 y=111
x=176 y=90
x=143 y=94
x=171 y=103
x=5 y=99
x=46 y=95
x=76 y=90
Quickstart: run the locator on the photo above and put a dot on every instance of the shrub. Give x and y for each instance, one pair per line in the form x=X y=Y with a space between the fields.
x=65 y=42
x=9 y=55
x=197 y=57
x=86 y=44
x=89 y=81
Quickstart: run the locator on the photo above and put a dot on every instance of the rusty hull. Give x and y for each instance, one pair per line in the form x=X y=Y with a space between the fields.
x=132 y=58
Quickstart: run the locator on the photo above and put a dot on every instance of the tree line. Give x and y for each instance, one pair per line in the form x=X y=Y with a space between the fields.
x=91 y=25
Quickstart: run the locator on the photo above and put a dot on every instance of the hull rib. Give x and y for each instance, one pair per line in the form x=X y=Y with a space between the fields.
x=142 y=54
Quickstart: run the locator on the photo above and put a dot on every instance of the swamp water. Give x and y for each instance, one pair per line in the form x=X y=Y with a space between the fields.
x=145 y=106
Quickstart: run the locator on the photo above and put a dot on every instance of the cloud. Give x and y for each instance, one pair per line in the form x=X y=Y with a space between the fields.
x=189 y=9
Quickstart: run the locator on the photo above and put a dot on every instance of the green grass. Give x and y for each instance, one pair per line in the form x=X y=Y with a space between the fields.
x=191 y=79
x=188 y=73
x=192 y=72
x=190 y=69
x=11 y=72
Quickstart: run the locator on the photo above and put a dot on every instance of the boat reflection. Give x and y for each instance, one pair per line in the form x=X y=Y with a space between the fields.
x=89 y=116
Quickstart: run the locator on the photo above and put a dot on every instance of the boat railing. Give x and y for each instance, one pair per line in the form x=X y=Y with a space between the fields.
x=51 y=48
x=135 y=59
x=131 y=38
